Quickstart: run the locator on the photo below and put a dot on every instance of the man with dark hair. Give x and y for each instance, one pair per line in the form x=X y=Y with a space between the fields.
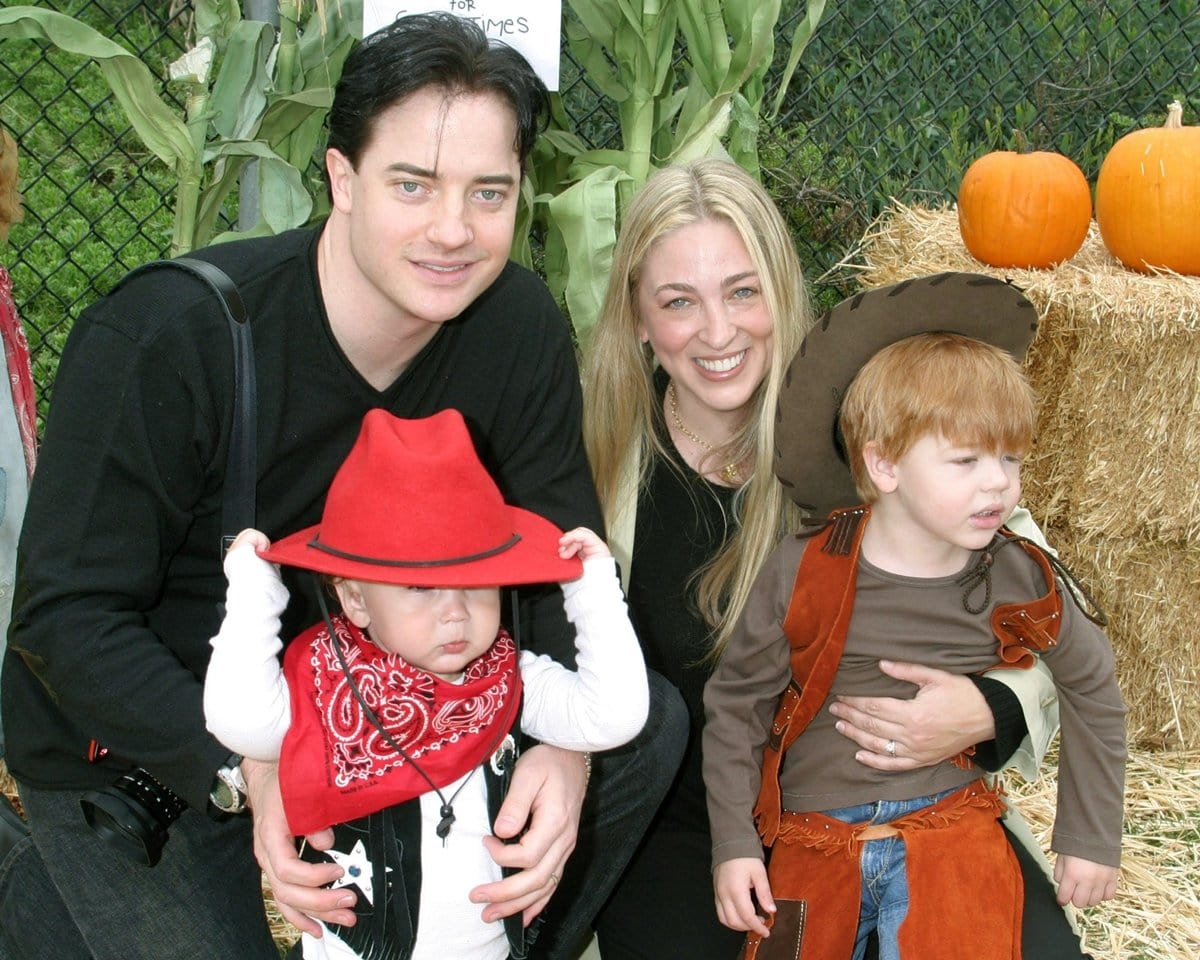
x=404 y=298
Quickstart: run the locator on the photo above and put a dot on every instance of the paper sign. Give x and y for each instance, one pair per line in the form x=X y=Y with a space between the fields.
x=531 y=26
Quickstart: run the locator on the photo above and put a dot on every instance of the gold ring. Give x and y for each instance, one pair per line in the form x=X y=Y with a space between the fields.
x=891 y=748
x=554 y=879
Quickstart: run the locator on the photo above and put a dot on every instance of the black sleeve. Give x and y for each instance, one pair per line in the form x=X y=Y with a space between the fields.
x=1011 y=729
x=122 y=476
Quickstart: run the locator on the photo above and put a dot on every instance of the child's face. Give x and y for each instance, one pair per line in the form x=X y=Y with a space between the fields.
x=437 y=629
x=959 y=495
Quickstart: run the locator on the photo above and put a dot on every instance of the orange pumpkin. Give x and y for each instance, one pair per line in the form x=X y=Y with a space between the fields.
x=1148 y=197
x=1023 y=209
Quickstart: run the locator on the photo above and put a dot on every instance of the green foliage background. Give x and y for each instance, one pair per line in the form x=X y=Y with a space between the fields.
x=891 y=99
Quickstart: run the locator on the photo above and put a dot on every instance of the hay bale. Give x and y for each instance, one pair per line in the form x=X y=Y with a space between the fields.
x=1156 y=913
x=1113 y=475
x=1116 y=365
x=1148 y=589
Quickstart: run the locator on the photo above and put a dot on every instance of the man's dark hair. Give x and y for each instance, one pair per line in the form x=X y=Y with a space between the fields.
x=432 y=50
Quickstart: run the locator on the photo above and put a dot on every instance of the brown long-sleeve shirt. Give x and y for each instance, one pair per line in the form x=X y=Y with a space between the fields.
x=922 y=621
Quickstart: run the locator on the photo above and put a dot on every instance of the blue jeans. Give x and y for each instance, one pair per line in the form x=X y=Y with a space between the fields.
x=884 y=897
x=67 y=894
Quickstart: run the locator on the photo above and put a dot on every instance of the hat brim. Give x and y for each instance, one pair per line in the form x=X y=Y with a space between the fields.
x=808 y=461
x=531 y=557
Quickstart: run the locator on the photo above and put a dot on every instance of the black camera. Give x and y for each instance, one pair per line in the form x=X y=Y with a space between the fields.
x=133 y=815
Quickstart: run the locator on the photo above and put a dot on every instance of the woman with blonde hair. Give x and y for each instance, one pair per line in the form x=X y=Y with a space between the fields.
x=705 y=308
x=622 y=405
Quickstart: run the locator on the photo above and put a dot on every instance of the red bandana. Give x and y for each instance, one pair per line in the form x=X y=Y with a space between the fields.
x=335 y=766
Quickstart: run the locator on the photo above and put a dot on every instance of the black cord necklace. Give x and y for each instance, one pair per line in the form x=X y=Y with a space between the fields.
x=447 y=809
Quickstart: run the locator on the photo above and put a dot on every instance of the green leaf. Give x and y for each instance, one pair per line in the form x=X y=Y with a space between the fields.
x=135 y=89
x=589 y=53
x=226 y=173
x=585 y=215
x=705 y=136
x=752 y=25
x=599 y=19
x=804 y=32
x=287 y=114
x=328 y=67
x=284 y=201
x=216 y=19
x=239 y=94
x=521 y=250
x=703 y=26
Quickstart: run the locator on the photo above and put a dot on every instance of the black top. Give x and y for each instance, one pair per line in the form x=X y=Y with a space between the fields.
x=119 y=567
x=682 y=522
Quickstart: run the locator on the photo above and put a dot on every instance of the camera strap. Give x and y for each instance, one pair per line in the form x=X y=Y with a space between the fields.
x=238 y=507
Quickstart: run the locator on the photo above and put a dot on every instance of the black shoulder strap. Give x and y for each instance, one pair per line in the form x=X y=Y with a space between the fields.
x=238 y=508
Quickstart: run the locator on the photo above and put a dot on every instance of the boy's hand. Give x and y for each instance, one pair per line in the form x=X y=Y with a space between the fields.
x=1083 y=882
x=733 y=883
x=583 y=542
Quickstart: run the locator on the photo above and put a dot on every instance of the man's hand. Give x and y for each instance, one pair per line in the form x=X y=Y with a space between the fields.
x=546 y=793
x=1083 y=882
x=296 y=884
x=946 y=715
x=733 y=883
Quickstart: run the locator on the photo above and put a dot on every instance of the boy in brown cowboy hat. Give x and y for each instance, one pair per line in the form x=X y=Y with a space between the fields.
x=393 y=720
x=934 y=417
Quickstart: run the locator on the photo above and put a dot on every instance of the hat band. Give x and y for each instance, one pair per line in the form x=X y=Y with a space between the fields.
x=448 y=562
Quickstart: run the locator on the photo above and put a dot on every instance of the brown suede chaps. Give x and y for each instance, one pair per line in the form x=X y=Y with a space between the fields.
x=965 y=889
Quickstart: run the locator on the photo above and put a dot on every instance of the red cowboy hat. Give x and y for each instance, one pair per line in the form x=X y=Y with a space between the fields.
x=412 y=505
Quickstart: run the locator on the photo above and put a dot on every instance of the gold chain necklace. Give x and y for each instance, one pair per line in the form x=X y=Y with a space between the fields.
x=729 y=472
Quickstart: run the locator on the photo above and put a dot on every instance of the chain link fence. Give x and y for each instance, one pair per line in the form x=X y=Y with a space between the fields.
x=897 y=99
x=891 y=100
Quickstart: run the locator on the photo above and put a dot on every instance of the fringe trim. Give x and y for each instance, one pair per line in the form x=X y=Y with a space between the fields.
x=833 y=837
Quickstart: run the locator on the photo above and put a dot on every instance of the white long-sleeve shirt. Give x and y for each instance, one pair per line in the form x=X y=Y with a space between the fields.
x=600 y=705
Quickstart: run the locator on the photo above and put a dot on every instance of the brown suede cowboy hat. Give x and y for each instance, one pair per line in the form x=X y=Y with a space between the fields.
x=809 y=460
x=412 y=505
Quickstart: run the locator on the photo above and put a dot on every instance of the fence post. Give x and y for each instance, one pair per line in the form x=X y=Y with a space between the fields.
x=248 y=195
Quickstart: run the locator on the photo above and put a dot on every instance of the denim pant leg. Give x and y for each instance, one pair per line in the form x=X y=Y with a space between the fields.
x=884 y=893
x=34 y=921
x=203 y=899
x=884 y=902
x=626 y=788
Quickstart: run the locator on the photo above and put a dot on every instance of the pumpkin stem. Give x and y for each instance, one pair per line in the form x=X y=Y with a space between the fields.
x=1020 y=140
x=1174 y=116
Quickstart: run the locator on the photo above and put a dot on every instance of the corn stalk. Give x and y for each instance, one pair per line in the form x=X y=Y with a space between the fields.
x=247 y=95
x=710 y=103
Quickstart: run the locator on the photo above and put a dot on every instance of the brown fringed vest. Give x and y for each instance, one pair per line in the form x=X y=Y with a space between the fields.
x=964 y=884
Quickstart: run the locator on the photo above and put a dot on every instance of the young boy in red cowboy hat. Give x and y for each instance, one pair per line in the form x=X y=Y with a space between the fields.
x=935 y=416
x=393 y=720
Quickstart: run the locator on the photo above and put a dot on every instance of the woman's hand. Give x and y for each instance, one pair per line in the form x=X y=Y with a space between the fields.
x=546 y=794
x=947 y=715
